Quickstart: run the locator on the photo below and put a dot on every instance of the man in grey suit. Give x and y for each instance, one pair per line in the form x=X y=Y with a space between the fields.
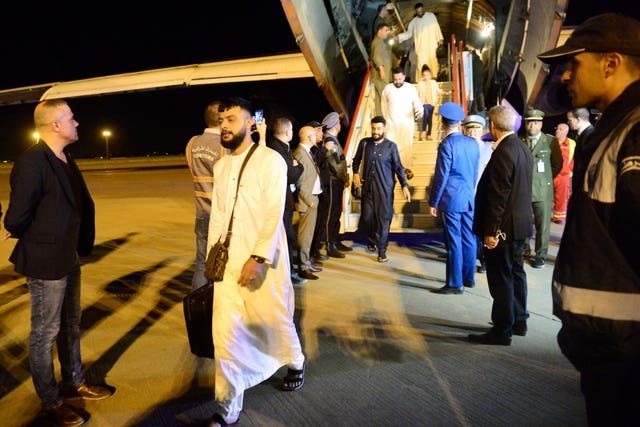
x=308 y=189
x=52 y=215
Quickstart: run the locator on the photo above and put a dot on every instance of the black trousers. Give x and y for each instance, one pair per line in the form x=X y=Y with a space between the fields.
x=287 y=218
x=336 y=190
x=507 y=285
x=611 y=391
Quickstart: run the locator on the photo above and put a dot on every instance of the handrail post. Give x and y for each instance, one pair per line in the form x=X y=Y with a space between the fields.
x=463 y=86
x=454 y=69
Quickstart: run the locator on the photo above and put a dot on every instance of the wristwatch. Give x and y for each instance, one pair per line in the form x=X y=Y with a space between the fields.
x=258 y=259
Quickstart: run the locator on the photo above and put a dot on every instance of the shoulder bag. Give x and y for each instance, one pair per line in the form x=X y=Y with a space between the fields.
x=198 y=304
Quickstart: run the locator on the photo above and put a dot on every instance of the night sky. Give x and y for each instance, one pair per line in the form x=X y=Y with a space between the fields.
x=66 y=42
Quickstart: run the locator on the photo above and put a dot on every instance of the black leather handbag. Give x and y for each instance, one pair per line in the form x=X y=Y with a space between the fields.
x=198 y=313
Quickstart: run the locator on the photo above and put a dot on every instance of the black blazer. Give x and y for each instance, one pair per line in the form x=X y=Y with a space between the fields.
x=293 y=172
x=42 y=215
x=503 y=196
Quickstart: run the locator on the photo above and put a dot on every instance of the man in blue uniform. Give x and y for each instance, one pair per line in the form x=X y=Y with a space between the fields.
x=452 y=195
x=380 y=161
x=596 y=280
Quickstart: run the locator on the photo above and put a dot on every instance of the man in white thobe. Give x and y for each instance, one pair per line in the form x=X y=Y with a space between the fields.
x=401 y=106
x=253 y=330
x=427 y=35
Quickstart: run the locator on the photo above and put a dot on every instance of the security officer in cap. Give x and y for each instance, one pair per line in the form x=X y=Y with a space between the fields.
x=334 y=178
x=452 y=196
x=474 y=126
x=596 y=279
x=547 y=163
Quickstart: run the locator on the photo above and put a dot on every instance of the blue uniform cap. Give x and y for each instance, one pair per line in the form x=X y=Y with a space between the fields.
x=474 y=121
x=452 y=111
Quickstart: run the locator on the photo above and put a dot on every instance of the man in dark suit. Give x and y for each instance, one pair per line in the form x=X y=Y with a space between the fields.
x=51 y=213
x=503 y=218
x=279 y=141
x=578 y=121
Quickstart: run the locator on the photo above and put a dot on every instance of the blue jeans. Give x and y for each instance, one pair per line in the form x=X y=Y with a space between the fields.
x=427 y=118
x=55 y=317
x=202 y=233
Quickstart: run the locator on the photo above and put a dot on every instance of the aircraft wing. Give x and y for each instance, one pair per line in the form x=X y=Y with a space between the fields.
x=285 y=66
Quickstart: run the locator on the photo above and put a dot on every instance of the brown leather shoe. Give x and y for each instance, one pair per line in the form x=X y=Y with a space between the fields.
x=62 y=415
x=86 y=392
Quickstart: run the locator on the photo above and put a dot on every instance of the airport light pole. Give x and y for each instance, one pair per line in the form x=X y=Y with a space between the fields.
x=106 y=134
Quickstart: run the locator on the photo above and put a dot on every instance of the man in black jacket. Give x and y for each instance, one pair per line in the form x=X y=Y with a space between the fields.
x=279 y=141
x=578 y=120
x=52 y=215
x=596 y=280
x=503 y=219
x=335 y=178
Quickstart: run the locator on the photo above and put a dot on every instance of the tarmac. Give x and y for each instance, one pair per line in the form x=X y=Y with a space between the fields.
x=382 y=350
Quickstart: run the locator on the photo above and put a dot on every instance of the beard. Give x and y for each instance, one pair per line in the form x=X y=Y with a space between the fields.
x=377 y=137
x=236 y=139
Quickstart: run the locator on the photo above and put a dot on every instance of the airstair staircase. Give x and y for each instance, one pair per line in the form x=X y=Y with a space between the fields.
x=408 y=217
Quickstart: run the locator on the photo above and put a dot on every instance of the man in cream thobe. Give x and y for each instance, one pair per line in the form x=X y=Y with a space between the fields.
x=253 y=330
x=426 y=33
x=401 y=106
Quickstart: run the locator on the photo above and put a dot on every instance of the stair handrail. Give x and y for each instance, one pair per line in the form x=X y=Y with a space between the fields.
x=463 y=88
x=454 y=70
x=360 y=126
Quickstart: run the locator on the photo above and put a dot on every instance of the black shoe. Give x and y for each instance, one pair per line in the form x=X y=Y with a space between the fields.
x=519 y=329
x=343 y=248
x=371 y=248
x=306 y=274
x=537 y=262
x=383 y=258
x=449 y=290
x=482 y=268
x=297 y=280
x=527 y=253
x=469 y=284
x=312 y=268
x=317 y=256
x=333 y=252
x=489 y=339
x=86 y=392
x=63 y=415
x=317 y=263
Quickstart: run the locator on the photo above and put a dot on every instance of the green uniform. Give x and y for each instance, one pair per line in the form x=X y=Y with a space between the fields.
x=547 y=163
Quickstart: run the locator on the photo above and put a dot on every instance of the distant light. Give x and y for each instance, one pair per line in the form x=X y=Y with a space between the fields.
x=36 y=136
x=106 y=133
